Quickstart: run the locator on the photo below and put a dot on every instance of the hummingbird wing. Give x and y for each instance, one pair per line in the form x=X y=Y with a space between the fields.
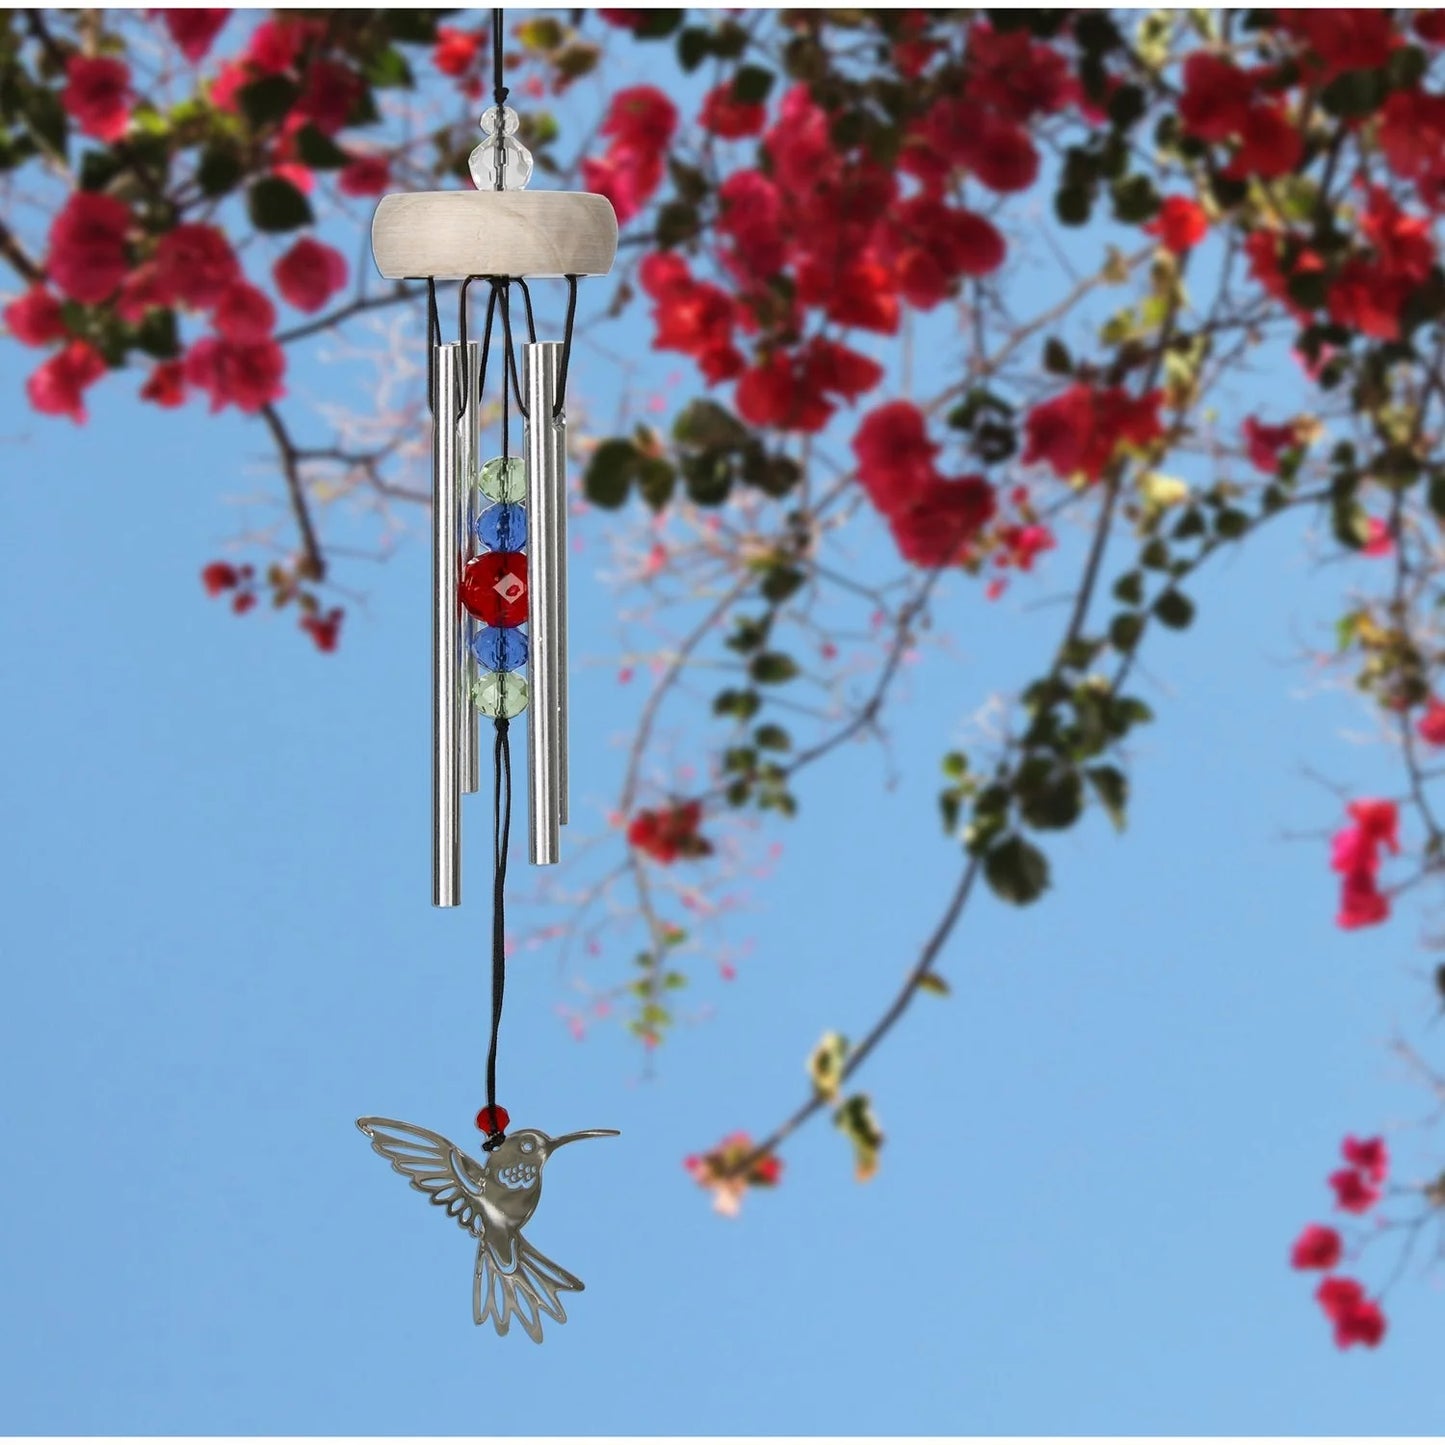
x=445 y=1174
x=514 y=1281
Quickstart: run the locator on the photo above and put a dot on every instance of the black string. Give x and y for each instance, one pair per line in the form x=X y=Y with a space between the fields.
x=499 y=91
x=501 y=837
x=531 y=320
x=566 y=360
x=433 y=339
x=511 y=367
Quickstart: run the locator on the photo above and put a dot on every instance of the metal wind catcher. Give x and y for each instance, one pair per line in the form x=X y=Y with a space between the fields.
x=499 y=626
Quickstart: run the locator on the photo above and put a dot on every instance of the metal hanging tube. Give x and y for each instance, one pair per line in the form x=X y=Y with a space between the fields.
x=446 y=636
x=467 y=436
x=557 y=428
x=544 y=500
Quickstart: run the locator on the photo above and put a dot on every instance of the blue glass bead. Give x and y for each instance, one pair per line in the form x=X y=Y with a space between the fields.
x=503 y=528
x=500 y=649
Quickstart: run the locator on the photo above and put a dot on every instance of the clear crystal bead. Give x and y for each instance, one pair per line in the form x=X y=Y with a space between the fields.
x=500 y=153
x=503 y=481
x=499 y=694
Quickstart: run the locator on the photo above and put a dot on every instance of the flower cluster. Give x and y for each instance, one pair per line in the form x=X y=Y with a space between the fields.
x=667 y=834
x=1355 y=853
x=719 y=1171
x=1357 y=1319
x=640 y=123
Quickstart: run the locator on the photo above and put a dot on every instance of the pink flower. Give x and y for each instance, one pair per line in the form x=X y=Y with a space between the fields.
x=1353 y=1192
x=1357 y=1320
x=87 y=258
x=97 y=95
x=364 y=176
x=166 y=385
x=246 y=375
x=310 y=274
x=194 y=264
x=1318 y=1247
x=1380 y=820
x=193 y=31
x=1378 y=542
x=1369 y=1155
x=57 y=388
x=1431 y=726
x=1265 y=443
x=244 y=313
x=34 y=319
x=1361 y=902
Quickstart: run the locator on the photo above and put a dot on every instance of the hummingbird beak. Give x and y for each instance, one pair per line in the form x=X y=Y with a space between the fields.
x=582 y=1134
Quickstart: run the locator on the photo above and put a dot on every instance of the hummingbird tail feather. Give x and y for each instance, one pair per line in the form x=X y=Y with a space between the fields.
x=525 y=1286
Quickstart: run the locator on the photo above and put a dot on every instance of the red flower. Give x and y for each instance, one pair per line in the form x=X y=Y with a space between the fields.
x=243 y=602
x=668 y=834
x=1379 y=819
x=1180 y=225
x=726 y=116
x=324 y=631
x=660 y=271
x=310 y=274
x=276 y=44
x=940 y=521
x=778 y=392
x=1378 y=541
x=1353 y=1192
x=1079 y=431
x=194 y=264
x=57 y=388
x=87 y=258
x=1361 y=902
x=34 y=319
x=1270 y=146
x=298 y=175
x=1217 y=96
x=626 y=178
x=838 y=370
x=1342 y=40
x=1431 y=726
x=895 y=456
x=142 y=291
x=1352 y=851
x=1318 y=1247
x=1265 y=443
x=364 y=176
x=455 y=50
x=750 y=215
x=244 y=313
x=1001 y=155
x=193 y=31
x=1363 y=298
x=166 y=385
x=218 y=577
x=1370 y=1155
x=97 y=95
x=641 y=118
x=245 y=375
x=1357 y=1320
x=328 y=93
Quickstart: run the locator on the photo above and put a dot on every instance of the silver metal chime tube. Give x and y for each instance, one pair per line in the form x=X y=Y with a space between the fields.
x=446 y=671
x=558 y=432
x=544 y=564
x=467 y=437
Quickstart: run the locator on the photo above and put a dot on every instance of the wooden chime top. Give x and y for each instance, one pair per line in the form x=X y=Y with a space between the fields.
x=450 y=235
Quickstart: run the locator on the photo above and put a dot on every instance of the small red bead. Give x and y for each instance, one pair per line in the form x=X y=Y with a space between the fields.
x=494 y=588
x=493 y=1121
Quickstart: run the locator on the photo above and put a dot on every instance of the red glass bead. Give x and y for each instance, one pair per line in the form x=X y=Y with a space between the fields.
x=493 y=1121
x=494 y=588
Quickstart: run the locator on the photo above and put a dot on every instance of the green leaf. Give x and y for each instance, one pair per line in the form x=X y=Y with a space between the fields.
x=855 y=1118
x=388 y=70
x=1055 y=803
x=772 y=737
x=1135 y=200
x=782 y=582
x=1057 y=358
x=1072 y=205
x=274 y=204
x=1016 y=870
x=932 y=983
x=1174 y=609
x=657 y=24
x=156 y=335
x=730 y=702
x=98 y=169
x=1355 y=93
x=218 y=170
x=411 y=27
x=46 y=120
x=677 y=222
x=656 y=481
x=707 y=426
x=752 y=84
x=609 y=473
x=1112 y=788
x=693 y=47
x=1130 y=588
x=955 y=765
x=267 y=100
x=318 y=150
x=773 y=667
x=1125 y=629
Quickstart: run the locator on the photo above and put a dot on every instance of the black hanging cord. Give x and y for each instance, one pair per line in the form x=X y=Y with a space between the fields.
x=531 y=320
x=433 y=338
x=511 y=366
x=501 y=836
x=566 y=358
x=499 y=91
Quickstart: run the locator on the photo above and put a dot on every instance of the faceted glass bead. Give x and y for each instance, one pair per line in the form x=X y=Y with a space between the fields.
x=503 y=528
x=503 y=481
x=499 y=694
x=503 y=151
x=500 y=649
x=494 y=588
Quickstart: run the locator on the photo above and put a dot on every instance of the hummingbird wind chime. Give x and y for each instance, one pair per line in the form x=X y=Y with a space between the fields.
x=499 y=561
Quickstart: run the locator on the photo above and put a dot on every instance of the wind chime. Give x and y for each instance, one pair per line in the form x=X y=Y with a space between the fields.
x=499 y=563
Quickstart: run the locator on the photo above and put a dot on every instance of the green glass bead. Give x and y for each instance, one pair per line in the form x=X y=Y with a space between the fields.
x=499 y=694
x=503 y=481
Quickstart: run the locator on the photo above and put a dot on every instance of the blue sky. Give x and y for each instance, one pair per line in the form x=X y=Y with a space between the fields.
x=220 y=952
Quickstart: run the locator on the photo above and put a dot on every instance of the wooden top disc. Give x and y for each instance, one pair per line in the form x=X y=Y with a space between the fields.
x=452 y=234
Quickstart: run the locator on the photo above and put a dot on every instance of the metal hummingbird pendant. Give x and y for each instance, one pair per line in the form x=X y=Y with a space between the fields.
x=492 y=1202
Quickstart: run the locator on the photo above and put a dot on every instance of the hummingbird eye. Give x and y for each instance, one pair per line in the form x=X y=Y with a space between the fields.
x=527 y=1146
